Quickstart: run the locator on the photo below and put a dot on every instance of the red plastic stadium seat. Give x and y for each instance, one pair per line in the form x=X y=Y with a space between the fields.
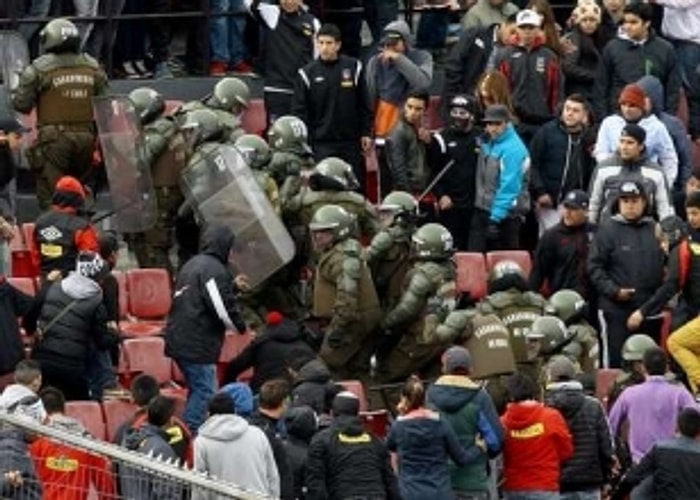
x=603 y=382
x=28 y=231
x=25 y=285
x=234 y=344
x=372 y=186
x=254 y=119
x=356 y=387
x=123 y=294
x=116 y=412
x=88 y=413
x=434 y=119
x=145 y=355
x=522 y=257
x=376 y=422
x=471 y=274
x=149 y=299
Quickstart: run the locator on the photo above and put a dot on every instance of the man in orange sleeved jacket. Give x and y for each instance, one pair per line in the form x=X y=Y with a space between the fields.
x=63 y=231
x=66 y=473
x=537 y=442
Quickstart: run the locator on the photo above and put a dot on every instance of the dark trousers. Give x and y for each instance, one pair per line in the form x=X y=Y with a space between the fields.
x=508 y=237
x=71 y=381
x=457 y=220
x=159 y=29
x=277 y=104
x=349 y=151
x=616 y=332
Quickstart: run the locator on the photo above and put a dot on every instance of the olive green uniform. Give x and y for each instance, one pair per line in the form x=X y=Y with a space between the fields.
x=230 y=124
x=345 y=298
x=388 y=259
x=166 y=153
x=584 y=349
x=430 y=294
x=61 y=87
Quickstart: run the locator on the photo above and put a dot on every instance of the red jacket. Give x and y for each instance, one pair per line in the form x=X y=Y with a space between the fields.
x=66 y=473
x=537 y=442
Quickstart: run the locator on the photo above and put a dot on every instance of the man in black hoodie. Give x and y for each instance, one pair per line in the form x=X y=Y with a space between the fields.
x=204 y=307
x=345 y=461
x=301 y=426
x=589 y=469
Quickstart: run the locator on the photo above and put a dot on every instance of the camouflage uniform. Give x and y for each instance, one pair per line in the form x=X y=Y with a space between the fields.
x=344 y=297
x=61 y=85
x=430 y=294
x=292 y=160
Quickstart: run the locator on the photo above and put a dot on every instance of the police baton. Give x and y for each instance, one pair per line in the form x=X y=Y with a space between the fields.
x=437 y=178
x=96 y=218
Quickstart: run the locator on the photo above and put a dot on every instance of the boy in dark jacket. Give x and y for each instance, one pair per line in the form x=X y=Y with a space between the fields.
x=588 y=470
x=301 y=426
x=470 y=411
x=151 y=439
x=311 y=380
x=267 y=352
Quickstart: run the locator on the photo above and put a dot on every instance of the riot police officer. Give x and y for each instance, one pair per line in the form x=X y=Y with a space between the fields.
x=429 y=295
x=60 y=84
x=570 y=307
x=518 y=307
x=257 y=154
x=332 y=181
x=344 y=295
x=166 y=153
x=632 y=368
x=547 y=337
x=229 y=100
x=389 y=250
x=202 y=132
x=292 y=159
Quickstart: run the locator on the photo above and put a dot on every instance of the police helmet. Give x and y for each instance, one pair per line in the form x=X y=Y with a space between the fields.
x=432 y=242
x=60 y=35
x=552 y=333
x=399 y=202
x=289 y=134
x=567 y=305
x=636 y=345
x=506 y=274
x=333 y=218
x=254 y=149
x=228 y=92
x=148 y=103
x=333 y=174
x=203 y=124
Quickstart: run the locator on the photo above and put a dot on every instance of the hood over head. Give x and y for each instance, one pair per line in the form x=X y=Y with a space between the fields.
x=450 y=393
x=315 y=371
x=224 y=427
x=301 y=422
x=242 y=396
x=218 y=242
x=654 y=90
x=567 y=397
x=79 y=287
x=400 y=27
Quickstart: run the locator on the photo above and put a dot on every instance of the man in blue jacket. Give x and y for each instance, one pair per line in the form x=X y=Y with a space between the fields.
x=502 y=196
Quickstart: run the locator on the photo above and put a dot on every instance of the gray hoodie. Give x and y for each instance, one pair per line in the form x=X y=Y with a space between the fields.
x=229 y=448
x=21 y=400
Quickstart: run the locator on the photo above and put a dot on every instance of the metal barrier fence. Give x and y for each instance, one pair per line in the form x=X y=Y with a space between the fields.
x=84 y=468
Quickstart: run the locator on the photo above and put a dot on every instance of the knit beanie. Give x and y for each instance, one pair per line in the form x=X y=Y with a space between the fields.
x=587 y=8
x=634 y=95
x=346 y=403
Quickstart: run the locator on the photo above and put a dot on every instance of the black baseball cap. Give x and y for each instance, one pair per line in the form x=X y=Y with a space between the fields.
x=577 y=199
x=631 y=189
x=12 y=124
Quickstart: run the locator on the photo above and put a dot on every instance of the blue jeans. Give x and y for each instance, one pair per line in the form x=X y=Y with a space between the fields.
x=226 y=36
x=532 y=495
x=689 y=62
x=201 y=384
x=100 y=373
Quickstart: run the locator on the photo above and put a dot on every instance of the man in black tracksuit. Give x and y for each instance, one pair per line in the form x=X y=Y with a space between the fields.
x=346 y=461
x=562 y=252
x=455 y=190
x=330 y=96
x=288 y=44
x=204 y=306
x=626 y=266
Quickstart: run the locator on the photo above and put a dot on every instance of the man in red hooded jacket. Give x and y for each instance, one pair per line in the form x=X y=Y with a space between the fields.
x=537 y=442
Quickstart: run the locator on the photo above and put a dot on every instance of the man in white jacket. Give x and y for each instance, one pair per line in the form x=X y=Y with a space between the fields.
x=230 y=449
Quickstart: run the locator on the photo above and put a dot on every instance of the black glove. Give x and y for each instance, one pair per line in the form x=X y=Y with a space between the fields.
x=493 y=231
x=335 y=339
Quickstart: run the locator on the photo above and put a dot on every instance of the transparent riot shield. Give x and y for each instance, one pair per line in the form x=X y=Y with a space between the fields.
x=223 y=190
x=14 y=58
x=130 y=184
